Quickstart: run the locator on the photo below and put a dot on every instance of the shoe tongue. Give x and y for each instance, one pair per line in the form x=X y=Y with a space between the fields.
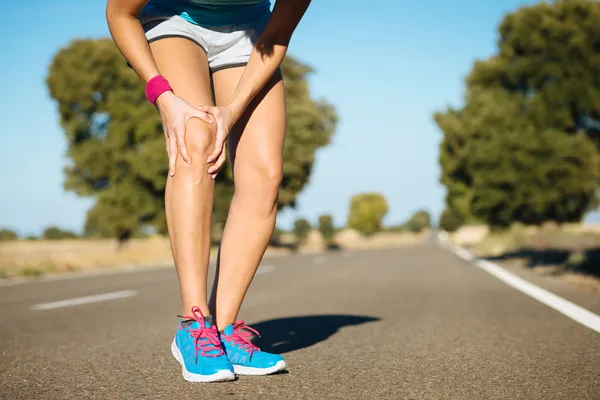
x=207 y=324
x=228 y=330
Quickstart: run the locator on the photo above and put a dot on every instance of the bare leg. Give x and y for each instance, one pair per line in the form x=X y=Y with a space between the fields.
x=256 y=149
x=189 y=194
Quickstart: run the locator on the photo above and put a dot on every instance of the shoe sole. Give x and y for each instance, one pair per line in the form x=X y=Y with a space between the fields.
x=221 y=376
x=242 y=370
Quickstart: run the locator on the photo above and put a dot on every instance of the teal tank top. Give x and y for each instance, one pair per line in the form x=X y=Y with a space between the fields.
x=208 y=12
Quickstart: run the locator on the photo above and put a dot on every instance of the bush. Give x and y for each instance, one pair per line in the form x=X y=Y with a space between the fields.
x=326 y=227
x=450 y=220
x=301 y=229
x=366 y=213
x=419 y=221
x=396 y=228
x=7 y=234
x=32 y=272
x=55 y=233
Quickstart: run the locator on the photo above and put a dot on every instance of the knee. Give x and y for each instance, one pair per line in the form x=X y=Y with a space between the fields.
x=271 y=175
x=199 y=139
x=261 y=185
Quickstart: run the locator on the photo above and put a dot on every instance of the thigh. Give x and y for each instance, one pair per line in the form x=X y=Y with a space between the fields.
x=185 y=66
x=256 y=141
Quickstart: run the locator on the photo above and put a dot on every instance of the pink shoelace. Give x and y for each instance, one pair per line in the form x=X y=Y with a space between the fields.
x=206 y=340
x=240 y=337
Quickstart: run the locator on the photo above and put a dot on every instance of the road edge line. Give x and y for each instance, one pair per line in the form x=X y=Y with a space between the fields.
x=563 y=306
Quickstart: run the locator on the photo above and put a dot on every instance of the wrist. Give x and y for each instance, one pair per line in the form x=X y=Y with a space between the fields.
x=236 y=110
x=156 y=87
x=162 y=98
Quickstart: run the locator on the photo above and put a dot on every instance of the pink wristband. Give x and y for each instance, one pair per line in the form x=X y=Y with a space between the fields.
x=155 y=87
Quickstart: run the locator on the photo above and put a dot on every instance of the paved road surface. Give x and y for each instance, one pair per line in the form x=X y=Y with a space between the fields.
x=414 y=323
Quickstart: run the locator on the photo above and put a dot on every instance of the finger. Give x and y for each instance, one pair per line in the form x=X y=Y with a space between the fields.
x=181 y=145
x=205 y=108
x=200 y=115
x=219 y=163
x=218 y=148
x=172 y=154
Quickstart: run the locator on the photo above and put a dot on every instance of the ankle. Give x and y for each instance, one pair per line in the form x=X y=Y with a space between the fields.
x=188 y=310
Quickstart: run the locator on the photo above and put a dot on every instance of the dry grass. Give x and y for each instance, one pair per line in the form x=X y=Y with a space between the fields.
x=35 y=258
x=571 y=252
x=26 y=257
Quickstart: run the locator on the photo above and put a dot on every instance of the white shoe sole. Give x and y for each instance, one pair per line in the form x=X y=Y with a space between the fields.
x=221 y=376
x=241 y=370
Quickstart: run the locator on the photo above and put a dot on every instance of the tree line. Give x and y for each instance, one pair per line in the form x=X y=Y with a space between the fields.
x=524 y=147
x=365 y=215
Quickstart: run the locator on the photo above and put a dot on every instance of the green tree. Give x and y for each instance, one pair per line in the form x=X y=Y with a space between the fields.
x=366 y=213
x=56 y=233
x=116 y=145
x=450 y=220
x=524 y=148
x=419 y=221
x=8 y=234
x=301 y=229
x=326 y=227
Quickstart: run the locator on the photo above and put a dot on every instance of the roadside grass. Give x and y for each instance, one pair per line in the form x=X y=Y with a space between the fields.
x=31 y=272
x=549 y=250
x=33 y=258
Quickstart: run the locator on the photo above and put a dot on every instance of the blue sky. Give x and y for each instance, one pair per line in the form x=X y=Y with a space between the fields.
x=386 y=68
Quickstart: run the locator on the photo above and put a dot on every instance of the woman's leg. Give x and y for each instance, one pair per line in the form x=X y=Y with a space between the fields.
x=256 y=150
x=189 y=194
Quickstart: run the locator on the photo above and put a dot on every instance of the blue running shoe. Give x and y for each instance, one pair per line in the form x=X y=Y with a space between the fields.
x=248 y=359
x=197 y=348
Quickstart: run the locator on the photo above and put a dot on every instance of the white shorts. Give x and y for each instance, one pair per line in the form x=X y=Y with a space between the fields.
x=225 y=46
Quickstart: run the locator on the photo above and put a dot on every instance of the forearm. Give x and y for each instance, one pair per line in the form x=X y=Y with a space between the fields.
x=258 y=71
x=128 y=35
x=268 y=52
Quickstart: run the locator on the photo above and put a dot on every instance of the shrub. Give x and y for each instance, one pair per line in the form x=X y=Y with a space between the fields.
x=366 y=213
x=450 y=220
x=326 y=227
x=301 y=229
x=8 y=234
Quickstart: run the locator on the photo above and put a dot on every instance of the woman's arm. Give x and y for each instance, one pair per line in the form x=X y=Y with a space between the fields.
x=268 y=52
x=266 y=57
x=128 y=34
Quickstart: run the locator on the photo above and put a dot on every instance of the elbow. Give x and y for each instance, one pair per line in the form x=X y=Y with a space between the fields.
x=115 y=10
x=109 y=12
x=273 y=46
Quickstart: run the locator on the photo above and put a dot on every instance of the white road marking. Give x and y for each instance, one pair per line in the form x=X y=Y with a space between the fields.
x=265 y=269
x=565 y=307
x=85 y=300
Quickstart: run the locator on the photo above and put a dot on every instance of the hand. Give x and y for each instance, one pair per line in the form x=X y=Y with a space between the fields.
x=174 y=113
x=225 y=117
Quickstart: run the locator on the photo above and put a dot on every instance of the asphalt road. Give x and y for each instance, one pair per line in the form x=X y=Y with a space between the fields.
x=414 y=323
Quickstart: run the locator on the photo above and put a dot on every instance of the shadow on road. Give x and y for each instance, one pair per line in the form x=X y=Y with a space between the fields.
x=294 y=333
x=585 y=261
